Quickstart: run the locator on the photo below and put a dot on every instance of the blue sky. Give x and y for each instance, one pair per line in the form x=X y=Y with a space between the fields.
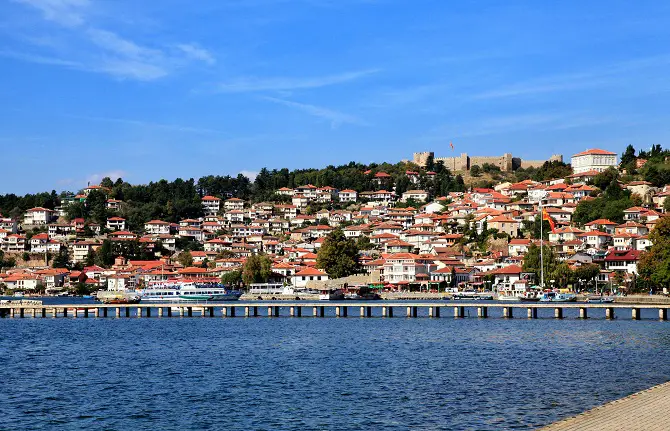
x=174 y=88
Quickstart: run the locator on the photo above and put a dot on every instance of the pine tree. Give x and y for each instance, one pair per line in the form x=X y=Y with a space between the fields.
x=338 y=255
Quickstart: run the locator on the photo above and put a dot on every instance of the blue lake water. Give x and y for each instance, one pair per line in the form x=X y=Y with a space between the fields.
x=323 y=374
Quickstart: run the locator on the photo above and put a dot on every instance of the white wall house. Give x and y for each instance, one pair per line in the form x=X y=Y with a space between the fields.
x=593 y=160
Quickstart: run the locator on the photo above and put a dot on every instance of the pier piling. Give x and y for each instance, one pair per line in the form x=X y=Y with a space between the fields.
x=663 y=313
x=609 y=313
x=482 y=312
x=583 y=313
x=635 y=314
x=558 y=313
x=508 y=312
x=160 y=312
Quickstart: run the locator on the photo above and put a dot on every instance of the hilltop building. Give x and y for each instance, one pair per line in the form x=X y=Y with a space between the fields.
x=593 y=160
x=464 y=162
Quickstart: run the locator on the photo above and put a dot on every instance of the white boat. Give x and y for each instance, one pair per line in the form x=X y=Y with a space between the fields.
x=558 y=297
x=509 y=298
x=331 y=295
x=188 y=292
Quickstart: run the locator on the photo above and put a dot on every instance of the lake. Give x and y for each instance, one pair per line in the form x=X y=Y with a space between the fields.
x=322 y=374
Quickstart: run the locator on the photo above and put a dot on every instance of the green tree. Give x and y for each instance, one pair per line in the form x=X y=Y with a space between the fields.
x=62 y=259
x=654 y=264
x=587 y=273
x=475 y=171
x=90 y=258
x=232 y=278
x=256 y=269
x=104 y=256
x=185 y=258
x=666 y=204
x=605 y=178
x=531 y=261
x=628 y=156
x=338 y=255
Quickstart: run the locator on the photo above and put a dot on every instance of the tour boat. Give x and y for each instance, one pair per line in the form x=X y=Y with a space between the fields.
x=558 y=297
x=188 y=292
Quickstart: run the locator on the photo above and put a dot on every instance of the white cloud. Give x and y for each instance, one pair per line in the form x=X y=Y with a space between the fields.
x=69 y=13
x=250 y=174
x=251 y=84
x=336 y=118
x=197 y=53
x=94 y=49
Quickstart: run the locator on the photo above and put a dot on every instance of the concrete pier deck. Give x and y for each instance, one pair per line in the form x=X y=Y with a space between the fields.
x=648 y=410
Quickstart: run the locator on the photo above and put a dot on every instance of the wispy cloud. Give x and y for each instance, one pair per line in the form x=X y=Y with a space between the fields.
x=500 y=125
x=151 y=124
x=197 y=53
x=609 y=75
x=91 y=48
x=69 y=13
x=334 y=117
x=251 y=84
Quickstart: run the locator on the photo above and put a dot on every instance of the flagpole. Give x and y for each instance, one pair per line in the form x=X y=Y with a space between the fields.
x=541 y=247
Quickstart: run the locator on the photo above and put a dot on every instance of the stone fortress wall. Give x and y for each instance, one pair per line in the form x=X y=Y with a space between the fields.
x=464 y=162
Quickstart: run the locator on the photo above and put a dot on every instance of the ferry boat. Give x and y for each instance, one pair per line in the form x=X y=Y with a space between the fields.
x=558 y=297
x=188 y=292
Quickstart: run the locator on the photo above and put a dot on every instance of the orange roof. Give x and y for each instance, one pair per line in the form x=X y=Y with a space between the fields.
x=310 y=271
x=595 y=151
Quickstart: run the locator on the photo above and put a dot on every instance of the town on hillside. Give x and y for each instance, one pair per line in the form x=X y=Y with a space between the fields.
x=403 y=227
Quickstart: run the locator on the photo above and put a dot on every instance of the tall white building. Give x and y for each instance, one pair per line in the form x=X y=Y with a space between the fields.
x=593 y=160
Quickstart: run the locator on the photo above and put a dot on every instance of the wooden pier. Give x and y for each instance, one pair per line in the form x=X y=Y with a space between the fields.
x=644 y=411
x=338 y=309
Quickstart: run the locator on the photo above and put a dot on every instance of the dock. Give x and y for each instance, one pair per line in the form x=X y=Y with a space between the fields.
x=648 y=410
x=340 y=309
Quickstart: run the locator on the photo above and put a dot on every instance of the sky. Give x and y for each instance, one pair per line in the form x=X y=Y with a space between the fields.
x=144 y=89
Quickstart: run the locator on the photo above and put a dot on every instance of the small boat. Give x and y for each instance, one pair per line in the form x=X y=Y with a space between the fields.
x=530 y=296
x=117 y=297
x=597 y=299
x=331 y=295
x=509 y=298
x=483 y=297
x=558 y=297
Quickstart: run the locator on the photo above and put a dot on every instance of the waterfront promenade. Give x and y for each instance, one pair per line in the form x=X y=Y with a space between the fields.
x=386 y=309
x=644 y=411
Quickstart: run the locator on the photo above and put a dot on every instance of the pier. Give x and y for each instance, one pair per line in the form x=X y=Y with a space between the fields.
x=643 y=411
x=340 y=309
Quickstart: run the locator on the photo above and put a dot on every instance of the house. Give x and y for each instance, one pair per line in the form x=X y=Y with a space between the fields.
x=80 y=250
x=415 y=195
x=157 y=227
x=347 y=195
x=518 y=247
x=505 y=225
x=593 y=160
x=406 y=268
x=602 y=225
x=506 y=275
x=211 y=204
x=113 y=204
x=596 y=239
x=38 y=216
x=301 y=278
x=116 y=223
x=634 y=213
x=622 y=260
x=233 y=204
x=122 y=235
x=13 y=243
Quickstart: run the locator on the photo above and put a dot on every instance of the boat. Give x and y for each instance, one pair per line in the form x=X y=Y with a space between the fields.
x=558 y=297
x=466 y=294
x=18 y=295
x=509 y=298
x=530 y=296
x=117 y=297
x=190 y=291
x=363 y=293
x=331 y=295
x=597 y=299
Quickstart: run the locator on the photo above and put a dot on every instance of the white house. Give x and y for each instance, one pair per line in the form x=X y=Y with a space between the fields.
x=416 y=195
x=302 y=277
x=593 y=160
x=347 y=195
x=211 y=204
x=38 y=216
x=157 y=227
